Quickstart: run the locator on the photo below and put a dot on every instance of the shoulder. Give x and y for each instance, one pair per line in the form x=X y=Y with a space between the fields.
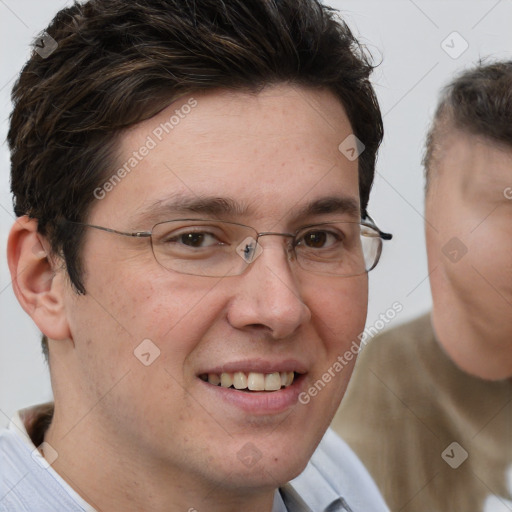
x=405 y=347
x=418 y=330
x=14 y=470
x=13 y=464
x=26 y=481
x=394 y=371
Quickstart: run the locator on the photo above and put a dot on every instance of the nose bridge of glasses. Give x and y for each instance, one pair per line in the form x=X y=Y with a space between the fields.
x=250 y=248
x=274 y=233
x=290 y=236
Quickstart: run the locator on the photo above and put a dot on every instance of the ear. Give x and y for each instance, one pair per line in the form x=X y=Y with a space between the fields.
x=38 y=285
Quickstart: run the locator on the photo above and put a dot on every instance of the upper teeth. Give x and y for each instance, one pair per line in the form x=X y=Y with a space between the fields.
x=253 y=381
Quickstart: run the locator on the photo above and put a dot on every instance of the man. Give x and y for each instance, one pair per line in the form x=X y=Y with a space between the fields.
x=191 y=181
x=429 y=408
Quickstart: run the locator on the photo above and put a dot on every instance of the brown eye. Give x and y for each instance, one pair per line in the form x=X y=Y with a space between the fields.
x=320 y=239
x=315 y=239
x=192 y=239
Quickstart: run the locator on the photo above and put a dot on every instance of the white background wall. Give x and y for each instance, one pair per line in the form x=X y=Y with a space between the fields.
x=407 y=37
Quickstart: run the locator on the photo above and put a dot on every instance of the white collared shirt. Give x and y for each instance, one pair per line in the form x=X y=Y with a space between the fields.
x=334 y=480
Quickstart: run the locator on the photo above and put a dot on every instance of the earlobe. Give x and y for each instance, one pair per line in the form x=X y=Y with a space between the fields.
x=38 y=287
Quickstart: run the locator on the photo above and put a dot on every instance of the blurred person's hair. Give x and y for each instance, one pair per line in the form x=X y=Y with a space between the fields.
x=477 y=102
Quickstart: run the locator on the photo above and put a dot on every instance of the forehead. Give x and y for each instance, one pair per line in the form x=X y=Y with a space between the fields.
x=467 y=161
x=272 y=153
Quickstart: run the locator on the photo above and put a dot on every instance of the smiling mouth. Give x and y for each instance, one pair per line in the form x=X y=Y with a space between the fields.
x=252 y=381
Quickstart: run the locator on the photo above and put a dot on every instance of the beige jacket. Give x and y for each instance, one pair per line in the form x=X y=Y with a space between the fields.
x=434 y=438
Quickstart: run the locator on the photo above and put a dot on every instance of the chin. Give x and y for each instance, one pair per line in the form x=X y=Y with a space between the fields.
x=271 y=471
x=269 y=462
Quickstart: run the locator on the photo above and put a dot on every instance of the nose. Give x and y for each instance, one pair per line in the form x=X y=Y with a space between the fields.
x=268 y=295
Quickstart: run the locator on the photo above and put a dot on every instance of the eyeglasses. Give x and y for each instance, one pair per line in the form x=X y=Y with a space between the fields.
x=213 y=248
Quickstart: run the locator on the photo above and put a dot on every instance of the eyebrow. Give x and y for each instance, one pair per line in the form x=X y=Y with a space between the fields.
x=181 y=204
x=221 y=207
x=328 y=205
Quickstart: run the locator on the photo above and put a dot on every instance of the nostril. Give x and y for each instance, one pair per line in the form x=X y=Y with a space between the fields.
x=258 y=327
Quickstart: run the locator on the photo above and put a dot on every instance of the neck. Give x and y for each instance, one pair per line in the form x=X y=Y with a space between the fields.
x=112 y=474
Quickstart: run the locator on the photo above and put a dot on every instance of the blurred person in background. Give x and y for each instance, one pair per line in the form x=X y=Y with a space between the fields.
x=429 y=408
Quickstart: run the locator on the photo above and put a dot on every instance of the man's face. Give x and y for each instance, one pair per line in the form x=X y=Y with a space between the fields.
x=273 y=154
x=469 y=240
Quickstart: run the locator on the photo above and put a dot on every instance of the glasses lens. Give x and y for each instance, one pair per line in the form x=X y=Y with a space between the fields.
x=338 y=248
x=201 y=247
x=371 y=243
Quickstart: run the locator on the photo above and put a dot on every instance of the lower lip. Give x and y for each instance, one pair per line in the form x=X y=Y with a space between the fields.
x=260 y=402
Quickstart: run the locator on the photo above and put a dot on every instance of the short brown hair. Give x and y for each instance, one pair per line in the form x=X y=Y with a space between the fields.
x=477 y=102
x=118 y=63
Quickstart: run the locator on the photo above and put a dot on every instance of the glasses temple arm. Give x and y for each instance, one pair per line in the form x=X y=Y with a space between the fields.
x=382 y=234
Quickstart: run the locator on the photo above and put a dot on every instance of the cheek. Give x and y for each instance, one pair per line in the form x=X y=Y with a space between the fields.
x=339 y=312
x=475 y=267
x=338 y=316
x=490 y=261
x=173 y=312
x=124 y=306
x=150 y=298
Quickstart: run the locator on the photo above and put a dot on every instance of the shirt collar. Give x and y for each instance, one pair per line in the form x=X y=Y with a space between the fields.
x=312 y=492
x=27 y=427
x=292 y=501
